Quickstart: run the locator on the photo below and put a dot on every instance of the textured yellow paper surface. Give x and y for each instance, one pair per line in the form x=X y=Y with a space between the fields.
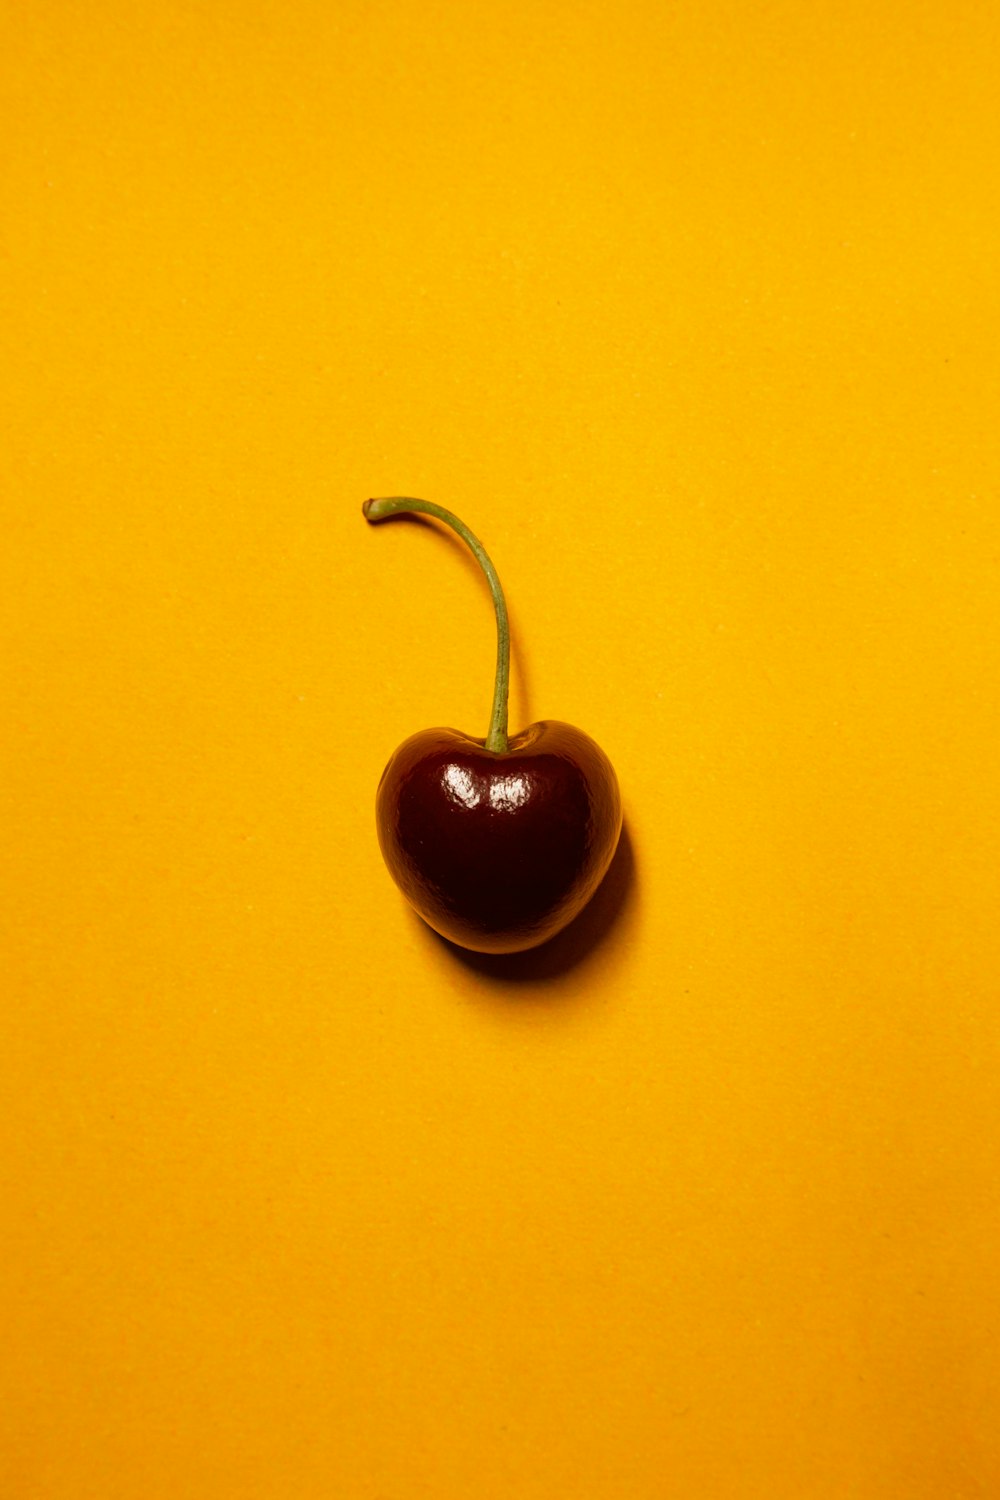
x=691 y=312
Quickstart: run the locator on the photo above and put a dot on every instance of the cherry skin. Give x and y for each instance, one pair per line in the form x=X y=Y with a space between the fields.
x=498 y=843
x=497 y=852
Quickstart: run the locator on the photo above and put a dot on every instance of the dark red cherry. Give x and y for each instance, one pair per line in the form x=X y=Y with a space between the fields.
x=498 y=843
x=499 y=852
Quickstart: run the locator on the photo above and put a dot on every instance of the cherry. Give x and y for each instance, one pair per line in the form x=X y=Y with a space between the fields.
x=498 y=843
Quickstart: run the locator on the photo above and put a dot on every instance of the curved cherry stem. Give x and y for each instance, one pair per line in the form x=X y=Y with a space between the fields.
x=379 y=510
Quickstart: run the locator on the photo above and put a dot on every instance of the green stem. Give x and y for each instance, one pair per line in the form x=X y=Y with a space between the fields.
x=379 y=510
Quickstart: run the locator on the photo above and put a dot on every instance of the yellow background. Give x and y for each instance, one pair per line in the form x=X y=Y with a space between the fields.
x=691 y=311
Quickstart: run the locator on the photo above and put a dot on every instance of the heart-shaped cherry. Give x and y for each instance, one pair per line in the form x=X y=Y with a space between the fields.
x=498 y=843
